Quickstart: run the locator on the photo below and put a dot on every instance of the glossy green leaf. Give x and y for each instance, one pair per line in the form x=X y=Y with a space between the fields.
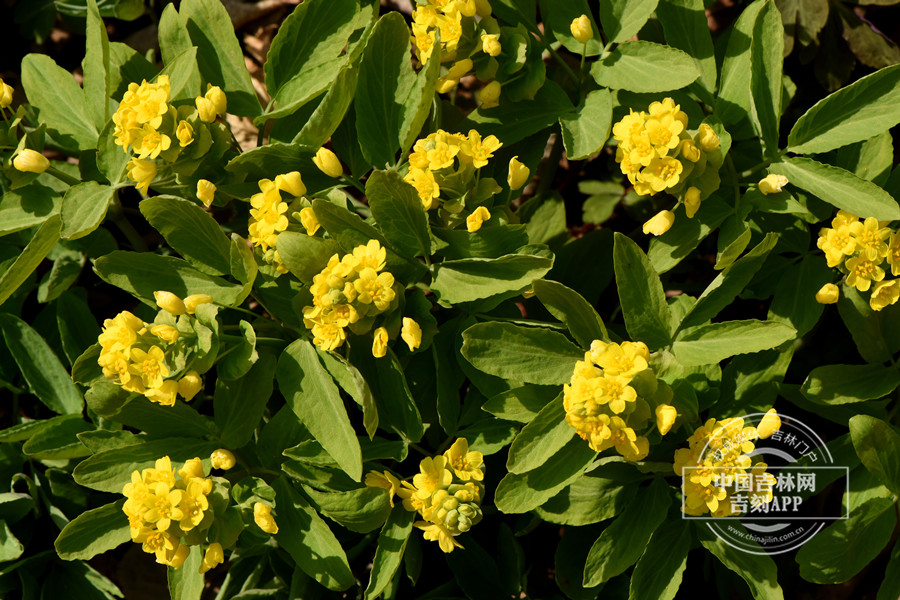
x=471 y=279
x=645 y=67
x=686 y=28
x=641 y=295
x=540 y=439
x=59 y=441
x=657 y=575
x=622 y=19
x=28 y=206
x=757 y=569
x=766 y=58
x=587 y=129
x=84 y=208
x=399 y=213
x=593 y=497
x=97 y=82
x=571 y=308
x=94 y=532
x=186 y=582
x=240 y=404
x=331 y=111
x=843 y=384
x=33 y=254
x=361 y=510
x=190 y=231
x=878 y=446
x=389 y=552
x=733 y=101
x=713 y=343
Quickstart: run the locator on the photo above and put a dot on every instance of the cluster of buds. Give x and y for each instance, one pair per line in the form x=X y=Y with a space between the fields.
x=718 y=452
x=862 y=251
x=154 y=359
x=169 y=512
x=658 y=153
x=447 y=493
x=612 y=395
x=349 y=293
x=154 y=130
x=269 y=214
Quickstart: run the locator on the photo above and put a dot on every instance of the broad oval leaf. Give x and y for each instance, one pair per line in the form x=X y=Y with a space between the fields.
x=645 y=67
x=94 y=532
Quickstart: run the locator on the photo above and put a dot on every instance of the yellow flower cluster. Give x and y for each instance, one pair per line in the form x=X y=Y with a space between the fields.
x=267 y=215
x=349 y=292
x=604 y=407
x=657 y=153
x=859 y=249
x=140 y=357
x=163 y=507
x=447 y=493
x=446 y=16
x=443 y=157
x=718 y=453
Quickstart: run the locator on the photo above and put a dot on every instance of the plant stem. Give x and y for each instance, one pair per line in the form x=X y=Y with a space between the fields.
x=64 y=177
x=117 y=215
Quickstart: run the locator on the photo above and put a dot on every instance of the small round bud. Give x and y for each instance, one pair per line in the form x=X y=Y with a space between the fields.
x=170 y=303
x=660 y=223
x=380 y=342
x=262 y=515
x=222 y=459
x=214 y=556
x=411 y=333
x=828 y=294
x=6 y=94
x=215 y=95
x=328 y=162
x=581 y=29
x=206 y=191
x=490 y=95
x=194 y=300
x=206 y=109
x=772 y=184
x=185 y=133
x=189 y=385
x=707 y=138
x=477 y=219
x=770 y=423
x=30 y=161
x=691 y=201
x=518 y=174
x=665 y=418
x=490 y=43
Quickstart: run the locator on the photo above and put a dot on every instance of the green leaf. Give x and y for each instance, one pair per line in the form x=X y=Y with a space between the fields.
x=516 y=121
x=395 y=402
x=308 y=539
x=622 y=19
x=471 y=279
x=84 y=208
x=594 y=497
x=108 y=471
x=686 y=28
x=184 y=76
x=389 y=552
x=46 y=377
x=540 y=439
x=622 y=543
x=713 y=343
x=351 y=381
x=672 y=247
x=842 y=549
x=571 y=308
x=315 y=399
x=361 y=510
x=305 y=256
x=843 y=384
x=890 y=585
x=558 y=16
x=733 y=102
x=766 y=59
x=331 y=110
x=238 y=361
x=142 y=273
x=795 y=297
x=60 y=100
x=32 y=255
x=645 y=67
x=93 y=532
x=521 y=404
x=219 y=54
x=641 y=295
x=10 y=547
x=658 y=573
x=586 y=131
x=525 y=354
x=757 y=569
x=728 y=284
x=839 y=188
x=190 y=231
x=239 y=405
x=59 y=441
x=28 y=206
x=520 y=493
x=399 y=213
x=852 y=114
x=418 y=103
x=97 y=83
x=186 y=582
x=878 y=446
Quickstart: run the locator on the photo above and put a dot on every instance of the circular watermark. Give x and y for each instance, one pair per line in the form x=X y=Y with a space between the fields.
x=763 y=487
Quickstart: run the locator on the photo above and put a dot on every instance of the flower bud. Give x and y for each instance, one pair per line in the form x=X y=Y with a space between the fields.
x=262 y=515
x=206 y=191
x=691 y=201
x=30 y=161
x=660 y=223
x=772 y=184
x=309 y=221
x=292 y=183
x=142 y=173
x=490 y=95
x=828 y=294
x=194 y=300
x=170 y=303
x=444 y=85
x=189 y=385
x=166 y=333
x=477 y=218
x=214 y=556
x=411 y=333
x=185 y=133
x=165 y=394
x=581 y=29
x=490 y=43
x=380 y=342
x=328 y=162
x=179 y=556
x=707 y=138
x=6 y=94
x=665 y=418
x=222 y=459
x=460 y=68
x=206 y=109
x=215 y=95
x=466 y=8
x=690 y=151
x=770 y=423
x=518 y=174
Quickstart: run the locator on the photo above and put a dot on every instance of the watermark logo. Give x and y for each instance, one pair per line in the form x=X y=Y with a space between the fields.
x=762 y=496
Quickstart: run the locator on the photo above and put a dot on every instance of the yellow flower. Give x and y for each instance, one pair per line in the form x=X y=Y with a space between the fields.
x=292 y=183
x=863 y=272
x=30 y=161
x=518 y=174
x=836 y=244
x=490 y=95
x=267 y=218
x=194 y=300
x=438 y=533
x=309 y=221
x=222 y=459
x=150 y=366
x=149 y=143
x=162 y=505
x=384 y=480
x=478 y=150
x=884 y=294
x=465 y=464
x=581 y=29
x=142 y=172
x=660 y=223
x=262 y=515
x=615 y=391
x=707 y=138
x=772 y=184
x=165 y=394
x=141 y=105
x=214 y=556
x=477 y=218
x=659 y=174
x=375 y=288
x=626 y=360
x=371 y=255
x=189 y=385
x=460 y=68
x=328 y=162
x=769 y=424
x=379 y=342
x=161 y=543
x=433 y=475
x=691 y=202
x=215 y=95
x=120 y=332
x=893 y=253
x=665 y=418
x=870 y=238
x=627 y=443
x=424 y=39
x=425 y=184
x=6 y=94
x=828 y=294
x=206 y=109
x=206 y=191
x=185 y=133
x=169 y=302
x=490 y=44
x=411 y=333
